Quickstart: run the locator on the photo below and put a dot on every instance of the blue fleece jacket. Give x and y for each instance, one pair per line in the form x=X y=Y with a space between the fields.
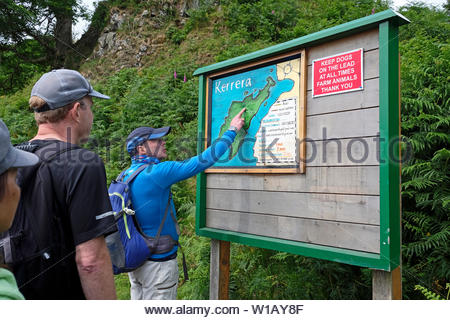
x=150 y=189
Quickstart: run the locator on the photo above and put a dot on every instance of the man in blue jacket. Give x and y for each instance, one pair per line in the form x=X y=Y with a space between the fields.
x=157 y=278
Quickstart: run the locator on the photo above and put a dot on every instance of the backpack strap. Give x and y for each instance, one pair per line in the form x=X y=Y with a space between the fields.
x=38 y=149
x=133 y=175
x=5 y=248
x=172 y=215
x=161 y=225
x=177 y=227
x=186 y=275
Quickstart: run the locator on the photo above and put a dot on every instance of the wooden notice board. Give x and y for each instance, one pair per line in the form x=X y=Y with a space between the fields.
x=341 y=201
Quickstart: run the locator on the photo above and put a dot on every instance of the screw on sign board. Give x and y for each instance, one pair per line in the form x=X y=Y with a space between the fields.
x=338 y=74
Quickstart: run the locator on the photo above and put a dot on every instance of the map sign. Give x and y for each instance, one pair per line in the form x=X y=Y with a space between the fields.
x=271 y=97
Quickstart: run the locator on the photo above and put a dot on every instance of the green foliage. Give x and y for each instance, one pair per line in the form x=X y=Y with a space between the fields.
x=260 y=19
x=280 y=20
x=429 y=294
x=14 y=70
x=15 y=113
x=257 y=24
x=197 y=18
x=197 y=255
x=276 y=275
x=122 y=286
x=431 y=22
x=425 y=57
x=176 y=35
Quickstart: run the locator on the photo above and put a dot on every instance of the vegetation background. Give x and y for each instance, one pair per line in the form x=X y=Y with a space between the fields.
x=211 y=31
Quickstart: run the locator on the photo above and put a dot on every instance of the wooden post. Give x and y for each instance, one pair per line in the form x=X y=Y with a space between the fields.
x=219 y=277
x=387 y=285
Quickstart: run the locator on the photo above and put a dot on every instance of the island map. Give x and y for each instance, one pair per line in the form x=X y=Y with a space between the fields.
x=270 y=95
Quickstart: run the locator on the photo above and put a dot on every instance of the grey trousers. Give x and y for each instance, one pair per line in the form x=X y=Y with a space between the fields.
x=155 y=281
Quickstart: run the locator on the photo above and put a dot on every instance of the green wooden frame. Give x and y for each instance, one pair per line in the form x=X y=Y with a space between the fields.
x=388 y=259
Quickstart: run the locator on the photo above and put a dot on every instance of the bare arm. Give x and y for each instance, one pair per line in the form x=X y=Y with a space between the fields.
x=95 y=269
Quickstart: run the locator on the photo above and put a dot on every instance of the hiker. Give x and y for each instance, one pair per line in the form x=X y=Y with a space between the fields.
x=157 y=278
x=10 y=159
x=57 y=237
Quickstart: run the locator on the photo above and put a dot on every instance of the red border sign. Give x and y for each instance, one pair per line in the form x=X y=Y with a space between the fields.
x=338 y=74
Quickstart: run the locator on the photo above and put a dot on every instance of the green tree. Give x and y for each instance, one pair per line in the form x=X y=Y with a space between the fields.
x=37 y=34
x=425 y=61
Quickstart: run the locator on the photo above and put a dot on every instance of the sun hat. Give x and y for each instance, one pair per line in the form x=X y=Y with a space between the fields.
x=11 y=157
x=60 y=87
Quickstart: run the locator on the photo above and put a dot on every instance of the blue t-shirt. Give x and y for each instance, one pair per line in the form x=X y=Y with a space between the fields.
x=150 y=189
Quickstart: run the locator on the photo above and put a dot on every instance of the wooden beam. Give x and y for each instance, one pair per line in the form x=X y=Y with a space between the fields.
x=219 y=270
x=387 y=285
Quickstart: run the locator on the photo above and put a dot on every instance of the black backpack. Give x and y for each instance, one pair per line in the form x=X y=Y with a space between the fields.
x=38 y=247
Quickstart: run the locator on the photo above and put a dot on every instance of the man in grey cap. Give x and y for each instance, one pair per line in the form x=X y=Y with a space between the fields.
x=10 y=159
x=57 y=237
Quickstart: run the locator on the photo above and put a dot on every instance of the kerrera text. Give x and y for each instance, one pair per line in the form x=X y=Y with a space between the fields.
x=220 y=87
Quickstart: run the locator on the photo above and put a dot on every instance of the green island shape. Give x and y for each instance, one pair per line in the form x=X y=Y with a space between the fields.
x=252 y=105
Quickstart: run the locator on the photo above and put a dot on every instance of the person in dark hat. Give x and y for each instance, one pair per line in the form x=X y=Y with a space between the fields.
x=64 y=211
x=10 y=159
x=157 y=278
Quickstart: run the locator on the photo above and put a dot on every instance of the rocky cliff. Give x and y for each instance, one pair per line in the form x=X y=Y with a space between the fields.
x=132 y=38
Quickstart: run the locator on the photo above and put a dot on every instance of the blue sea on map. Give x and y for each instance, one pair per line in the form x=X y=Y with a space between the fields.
x=221 y=102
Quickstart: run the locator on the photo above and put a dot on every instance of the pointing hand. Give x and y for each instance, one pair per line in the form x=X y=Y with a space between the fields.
x=238 y=121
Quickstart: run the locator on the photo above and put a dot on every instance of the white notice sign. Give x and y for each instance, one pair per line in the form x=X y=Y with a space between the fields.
x=276 y=138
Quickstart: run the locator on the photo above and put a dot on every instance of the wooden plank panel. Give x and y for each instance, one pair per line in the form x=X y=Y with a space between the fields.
x=356 y=123
x=367 y=40
x=335 y=234
x=336 y=207
x=348 y=180
x=342 y=152
x=371 y=68
x=369 y=97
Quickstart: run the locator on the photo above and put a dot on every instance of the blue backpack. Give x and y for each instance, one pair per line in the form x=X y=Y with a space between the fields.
x=129 y=247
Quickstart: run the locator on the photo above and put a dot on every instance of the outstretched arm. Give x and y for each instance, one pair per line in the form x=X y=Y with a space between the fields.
x=176 y=171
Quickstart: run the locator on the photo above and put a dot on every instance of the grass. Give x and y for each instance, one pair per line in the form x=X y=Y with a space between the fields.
x=122 y=286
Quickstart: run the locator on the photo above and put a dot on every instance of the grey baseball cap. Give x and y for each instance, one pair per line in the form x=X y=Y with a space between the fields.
x=11 y=157
x=60 y=87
